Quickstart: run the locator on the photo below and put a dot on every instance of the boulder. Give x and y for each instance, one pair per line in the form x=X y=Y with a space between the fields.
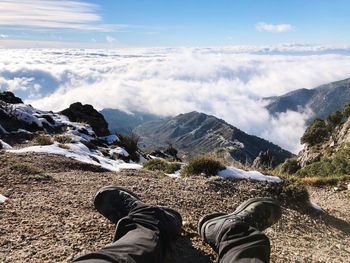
x=9 y=97
x=264 y=160
x=78 y=112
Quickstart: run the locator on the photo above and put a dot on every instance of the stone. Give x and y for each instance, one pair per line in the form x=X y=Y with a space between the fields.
x=78 y=112
x=9 y=97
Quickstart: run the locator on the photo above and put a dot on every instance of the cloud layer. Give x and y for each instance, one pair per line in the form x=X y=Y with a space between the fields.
x=274 y=28
x=226 y=82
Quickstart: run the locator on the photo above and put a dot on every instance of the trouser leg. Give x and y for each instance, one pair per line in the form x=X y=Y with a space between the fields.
x=239 y=242
x=142 y=236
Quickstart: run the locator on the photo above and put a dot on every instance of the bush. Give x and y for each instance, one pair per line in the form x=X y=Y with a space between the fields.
x=346 y=111
x=337 y=165
x=44 y=140
x=290 y=166
x=203 y=165
x=334 y=120
x=161 y=165
x=130 y=144
x=26 y=169
x=62 y=139
x=316 y=133
x=294 y=193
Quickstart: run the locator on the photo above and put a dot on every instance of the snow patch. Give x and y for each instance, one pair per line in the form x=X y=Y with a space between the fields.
x=110 y=138
x=231 y=172
x=2 y=199
x=119 y=151
x=80 y=152
x=5 y=146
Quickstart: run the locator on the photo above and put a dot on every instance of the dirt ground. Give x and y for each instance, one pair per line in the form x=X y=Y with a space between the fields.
x=54 y=220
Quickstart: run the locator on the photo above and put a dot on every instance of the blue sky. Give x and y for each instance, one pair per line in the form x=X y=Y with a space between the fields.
x=144 y=23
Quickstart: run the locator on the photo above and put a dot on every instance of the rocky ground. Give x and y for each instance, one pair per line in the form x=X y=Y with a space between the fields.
x=50 y=218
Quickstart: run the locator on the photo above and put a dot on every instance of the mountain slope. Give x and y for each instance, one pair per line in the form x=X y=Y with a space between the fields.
x=197 y=133
x=122 y=122
x=322 y=100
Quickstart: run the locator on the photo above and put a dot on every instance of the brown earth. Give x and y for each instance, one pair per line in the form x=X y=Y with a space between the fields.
x=52 y=219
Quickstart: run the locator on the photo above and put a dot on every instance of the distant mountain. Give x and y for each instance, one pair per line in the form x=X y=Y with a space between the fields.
x=322 y=100
x=196 y=133
x=123 y=122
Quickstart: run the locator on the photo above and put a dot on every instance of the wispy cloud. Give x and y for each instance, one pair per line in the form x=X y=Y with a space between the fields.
x=274 y=28
x=50 y=14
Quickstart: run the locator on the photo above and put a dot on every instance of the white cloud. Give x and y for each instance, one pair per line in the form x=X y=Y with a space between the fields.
x=226 y=82
x=274 y=28
x=49 y=14
x=111 y=40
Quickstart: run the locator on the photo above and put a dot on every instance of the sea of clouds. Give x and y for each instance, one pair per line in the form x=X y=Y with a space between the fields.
x=226 y=82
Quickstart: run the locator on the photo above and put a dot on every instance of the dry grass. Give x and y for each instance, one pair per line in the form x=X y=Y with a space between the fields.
x=44 y=140
x=62 y=139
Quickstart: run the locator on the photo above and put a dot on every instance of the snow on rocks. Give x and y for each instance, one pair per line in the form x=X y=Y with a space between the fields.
x=2 y=199
x=80 y=152
x=118 y=151
x=110 y=139
x=4 y=145
x=235 y=173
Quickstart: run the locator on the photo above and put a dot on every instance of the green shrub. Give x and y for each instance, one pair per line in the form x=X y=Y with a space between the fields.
x=130 y=144
x=346 y=111
x=290 y=166
x=63 y=139
x=203 y=165
x=161 y=165
x=294 y=193
x=337 y=165
x=316 y=133
x=334 y=120
x=44 y=140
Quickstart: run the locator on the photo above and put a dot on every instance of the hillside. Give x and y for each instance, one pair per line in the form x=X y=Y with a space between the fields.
x=123 y=122
x=196 y=133
x=325 y=157
x=53 y=220
x=322 y=100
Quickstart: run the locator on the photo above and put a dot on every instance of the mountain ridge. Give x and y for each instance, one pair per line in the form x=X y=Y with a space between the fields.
x=196 y=133
x=322 y=100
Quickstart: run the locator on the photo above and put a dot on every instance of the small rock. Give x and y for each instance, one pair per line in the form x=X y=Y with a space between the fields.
x=348 y=186
x=2 y=199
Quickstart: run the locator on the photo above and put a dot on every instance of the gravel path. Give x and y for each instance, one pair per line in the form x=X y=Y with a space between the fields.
x=54 y=220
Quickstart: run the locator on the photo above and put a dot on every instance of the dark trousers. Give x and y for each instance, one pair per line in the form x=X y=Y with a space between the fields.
x=144 y=236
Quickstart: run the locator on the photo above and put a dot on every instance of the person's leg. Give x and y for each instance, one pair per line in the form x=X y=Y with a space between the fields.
x=237 y=237
x=142 y=236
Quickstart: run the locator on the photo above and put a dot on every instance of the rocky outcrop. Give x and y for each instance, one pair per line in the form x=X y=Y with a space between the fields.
x=264 y=160
x=338 y=138
x=9 y=97
x=78 y=112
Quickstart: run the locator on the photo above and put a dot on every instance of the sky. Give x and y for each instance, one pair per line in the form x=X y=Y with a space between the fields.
x=171 y=23
x=165 y=57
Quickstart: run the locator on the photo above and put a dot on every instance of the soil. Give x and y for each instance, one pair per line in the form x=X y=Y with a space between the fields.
x=52 y=219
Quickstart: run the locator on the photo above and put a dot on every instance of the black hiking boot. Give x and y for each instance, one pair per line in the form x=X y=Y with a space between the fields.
x=115 y=203
x=259 y=213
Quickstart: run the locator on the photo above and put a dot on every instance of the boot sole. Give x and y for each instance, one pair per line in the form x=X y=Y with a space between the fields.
x=111 y=188
x=205 y=219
